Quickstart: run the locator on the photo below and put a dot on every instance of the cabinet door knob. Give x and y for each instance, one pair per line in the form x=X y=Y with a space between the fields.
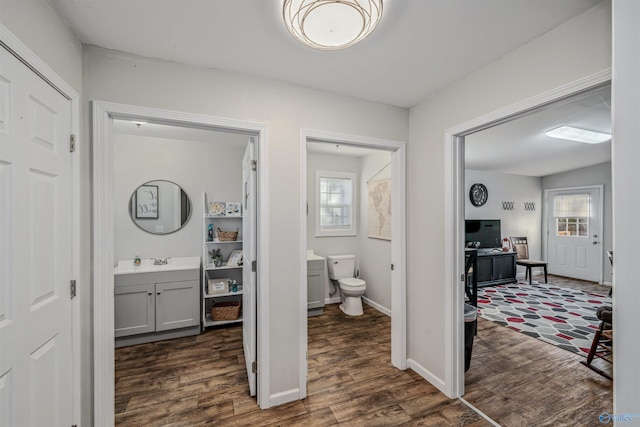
x=150 y=293
x=159 y=292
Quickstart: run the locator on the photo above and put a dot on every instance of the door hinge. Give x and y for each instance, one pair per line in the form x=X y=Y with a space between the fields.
x=462 y=277
x=254 y=266
x=72 y=143
x=74 y=425
x=254 y=367
x=72 y=288
x=254 y=165
x=393 y=267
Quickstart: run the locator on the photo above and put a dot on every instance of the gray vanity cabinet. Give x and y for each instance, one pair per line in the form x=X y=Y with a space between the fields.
x=177 y=305
x=134 y=308
x=156 y=305
x=315 y=286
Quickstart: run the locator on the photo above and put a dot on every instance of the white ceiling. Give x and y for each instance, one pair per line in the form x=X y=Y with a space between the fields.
x=521 y=147
x=178 y=133
x=419 y=47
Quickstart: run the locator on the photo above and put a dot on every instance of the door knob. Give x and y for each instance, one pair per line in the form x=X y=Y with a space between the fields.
x=595 y=243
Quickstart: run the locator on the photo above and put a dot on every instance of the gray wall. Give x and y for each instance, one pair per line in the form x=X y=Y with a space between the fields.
x=284 y=109
x=215 y=168
x=592 y=175
x=373 y=255
x=510 y=188
x=577 y=49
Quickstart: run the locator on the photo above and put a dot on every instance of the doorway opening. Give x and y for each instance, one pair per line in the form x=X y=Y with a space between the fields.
x=331 y=142
x=103 y=235
x=456 y=194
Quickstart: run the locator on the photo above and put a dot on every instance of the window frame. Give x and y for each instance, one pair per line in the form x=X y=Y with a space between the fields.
x=572 y=216
x=327 y=231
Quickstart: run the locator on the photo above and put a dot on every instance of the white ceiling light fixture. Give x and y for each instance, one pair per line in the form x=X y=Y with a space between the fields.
x=580 y=135
x=331 y=24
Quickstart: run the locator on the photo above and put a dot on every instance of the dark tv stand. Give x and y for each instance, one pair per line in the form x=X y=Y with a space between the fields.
x=496 y=268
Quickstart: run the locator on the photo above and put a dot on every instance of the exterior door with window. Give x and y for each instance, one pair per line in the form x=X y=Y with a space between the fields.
x=574 y=220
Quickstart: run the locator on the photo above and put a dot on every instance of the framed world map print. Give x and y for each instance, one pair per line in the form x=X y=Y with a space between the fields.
x=379 y=209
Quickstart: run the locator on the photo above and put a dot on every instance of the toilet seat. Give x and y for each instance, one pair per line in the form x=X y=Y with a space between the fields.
x=351 y=283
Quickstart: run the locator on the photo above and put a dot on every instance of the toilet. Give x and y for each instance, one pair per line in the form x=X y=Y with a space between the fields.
x=342 y=269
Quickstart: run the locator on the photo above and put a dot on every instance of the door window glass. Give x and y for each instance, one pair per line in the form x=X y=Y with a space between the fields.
x=571 y=212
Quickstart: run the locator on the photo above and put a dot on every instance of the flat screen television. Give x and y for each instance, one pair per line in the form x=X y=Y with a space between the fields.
x=484 y=232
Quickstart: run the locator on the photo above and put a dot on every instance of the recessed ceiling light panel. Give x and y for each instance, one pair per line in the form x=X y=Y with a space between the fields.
x=331 y=24
x=579 y=135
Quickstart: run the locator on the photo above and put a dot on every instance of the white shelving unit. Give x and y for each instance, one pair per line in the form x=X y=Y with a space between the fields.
x=209 y=271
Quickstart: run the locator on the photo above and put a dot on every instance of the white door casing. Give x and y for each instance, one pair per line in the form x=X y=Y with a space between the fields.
x=453 y=385
x=249 y=293
x=398 y=243
x=36 y=249
x=103 y=290
x=578 y=257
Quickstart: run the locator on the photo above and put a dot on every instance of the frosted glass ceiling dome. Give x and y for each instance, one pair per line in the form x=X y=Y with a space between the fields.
x=331 y=24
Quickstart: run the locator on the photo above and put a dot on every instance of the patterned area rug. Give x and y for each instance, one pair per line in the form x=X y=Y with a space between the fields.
x=559 y=316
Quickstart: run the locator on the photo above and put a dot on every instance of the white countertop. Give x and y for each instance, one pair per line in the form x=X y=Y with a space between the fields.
x=146 y=266
x=313 y=257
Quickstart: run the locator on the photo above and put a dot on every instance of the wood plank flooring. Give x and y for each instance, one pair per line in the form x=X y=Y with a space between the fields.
x=201 y=381
x=519 y=380
x=515 y=379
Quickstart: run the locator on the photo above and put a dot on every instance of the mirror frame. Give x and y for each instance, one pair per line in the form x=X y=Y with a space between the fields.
x=151 y=182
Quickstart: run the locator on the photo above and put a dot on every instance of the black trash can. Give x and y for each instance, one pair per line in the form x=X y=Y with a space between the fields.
x=470 y=321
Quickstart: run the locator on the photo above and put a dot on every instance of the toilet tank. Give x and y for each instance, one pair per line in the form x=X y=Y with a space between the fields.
x=341 y=266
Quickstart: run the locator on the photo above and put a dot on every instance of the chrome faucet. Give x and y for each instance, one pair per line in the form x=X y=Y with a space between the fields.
x=161 y=261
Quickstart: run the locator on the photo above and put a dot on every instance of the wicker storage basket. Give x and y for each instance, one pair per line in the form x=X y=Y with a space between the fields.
x=228 y=236
x=227 y=310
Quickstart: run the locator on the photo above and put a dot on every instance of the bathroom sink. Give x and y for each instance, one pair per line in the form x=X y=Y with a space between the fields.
x=147 y=265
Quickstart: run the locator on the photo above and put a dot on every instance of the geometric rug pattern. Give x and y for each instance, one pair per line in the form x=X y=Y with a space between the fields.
x=563 y=317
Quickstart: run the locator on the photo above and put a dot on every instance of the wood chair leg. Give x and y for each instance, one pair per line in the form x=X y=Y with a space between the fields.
x=594 y=345
x=545 y=275
x=530 y=275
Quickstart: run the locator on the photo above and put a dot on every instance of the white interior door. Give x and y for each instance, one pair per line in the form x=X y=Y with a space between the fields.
x=249 y=281
x=574 y=221
x=35 y=250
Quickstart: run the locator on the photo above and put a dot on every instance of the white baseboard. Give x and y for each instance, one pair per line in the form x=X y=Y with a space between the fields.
x=284 y=397
x=333 y=300
x=426 y=374
x=377 y=306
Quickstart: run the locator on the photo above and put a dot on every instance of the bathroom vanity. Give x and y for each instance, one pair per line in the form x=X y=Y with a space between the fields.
x=156 y=302
x=316 y=271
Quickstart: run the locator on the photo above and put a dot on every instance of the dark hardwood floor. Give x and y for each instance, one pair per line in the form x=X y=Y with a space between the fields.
x=201 y=380
x=567 y=282
x=515 y=379
x=518 y=380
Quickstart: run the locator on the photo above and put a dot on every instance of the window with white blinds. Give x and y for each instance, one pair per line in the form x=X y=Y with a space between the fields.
x=335 y=204
x=572 y=214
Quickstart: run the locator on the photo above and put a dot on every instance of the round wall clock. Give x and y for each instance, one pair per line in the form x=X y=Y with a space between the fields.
x=478 y=194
